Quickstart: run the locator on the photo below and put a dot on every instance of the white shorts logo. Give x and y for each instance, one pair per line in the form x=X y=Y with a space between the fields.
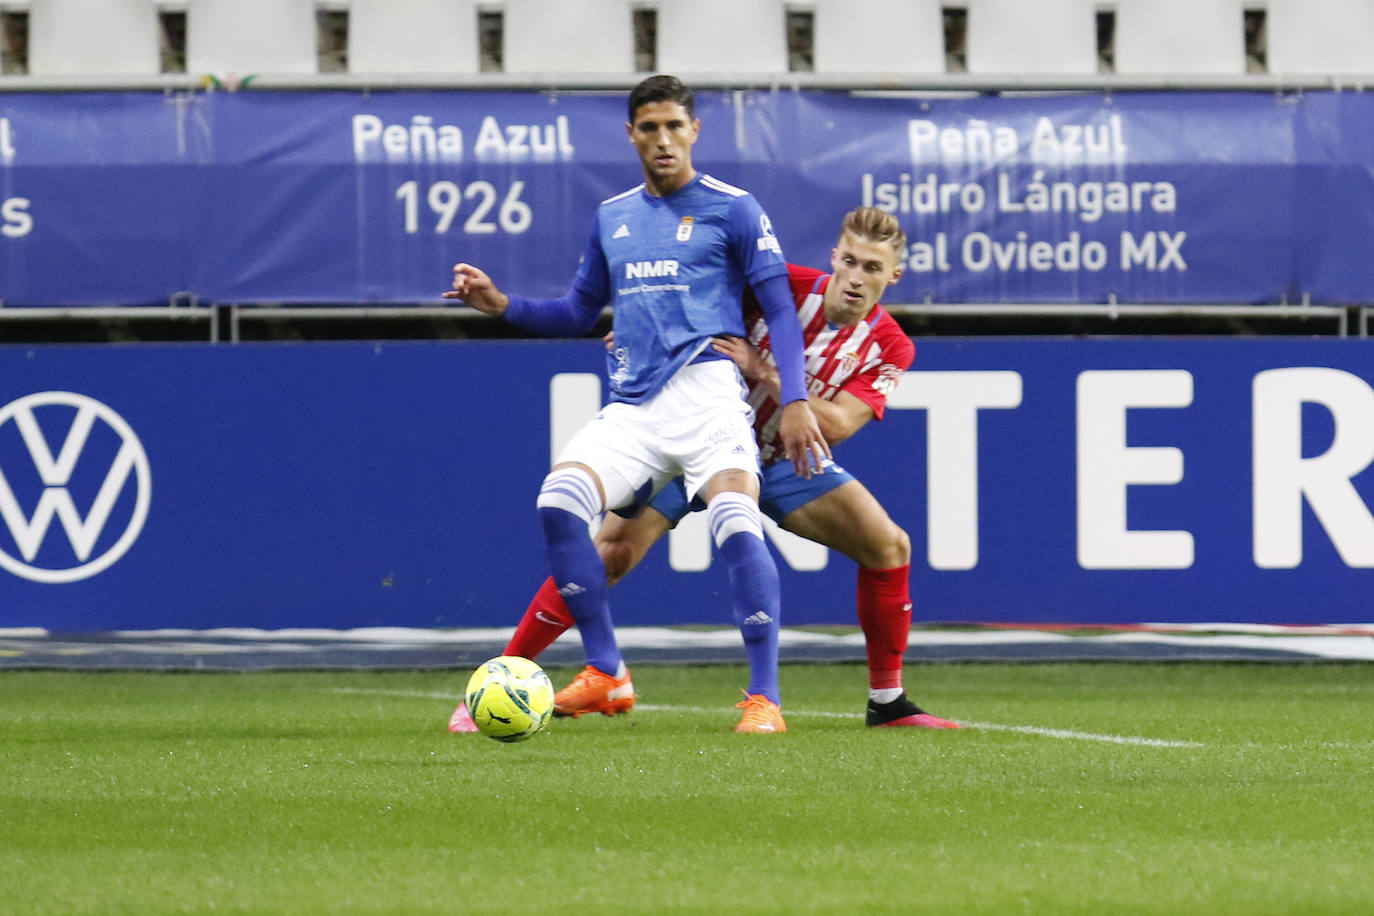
x=56 y=473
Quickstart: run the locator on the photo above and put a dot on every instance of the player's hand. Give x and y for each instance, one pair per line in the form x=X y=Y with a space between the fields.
x=477 y=289
x=750 y=361
x=609 y=340
x=801 y=437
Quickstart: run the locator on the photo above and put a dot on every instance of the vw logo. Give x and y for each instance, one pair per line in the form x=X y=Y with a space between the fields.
x=98 y=456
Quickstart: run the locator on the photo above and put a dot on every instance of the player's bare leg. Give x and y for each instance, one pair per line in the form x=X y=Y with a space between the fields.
x=851 y=520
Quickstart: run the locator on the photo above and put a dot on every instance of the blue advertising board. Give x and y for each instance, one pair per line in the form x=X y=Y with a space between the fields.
x=351 y=197
x=346 y=485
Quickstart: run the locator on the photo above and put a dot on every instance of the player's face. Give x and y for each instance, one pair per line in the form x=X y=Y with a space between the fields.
x=663 y=133
x=862 y=271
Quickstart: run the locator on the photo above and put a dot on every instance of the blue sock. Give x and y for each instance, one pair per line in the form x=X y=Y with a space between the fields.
x=581 y=579
x=737 y=529
x=568 y=501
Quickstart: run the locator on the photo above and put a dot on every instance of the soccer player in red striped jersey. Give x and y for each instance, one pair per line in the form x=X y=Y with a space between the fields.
x=855 y=355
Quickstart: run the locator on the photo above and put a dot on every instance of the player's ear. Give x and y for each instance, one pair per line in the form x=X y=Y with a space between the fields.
x=897 y=274
x=630 y=131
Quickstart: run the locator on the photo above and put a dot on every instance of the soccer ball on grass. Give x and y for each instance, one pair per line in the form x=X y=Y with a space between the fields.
x=509 y=698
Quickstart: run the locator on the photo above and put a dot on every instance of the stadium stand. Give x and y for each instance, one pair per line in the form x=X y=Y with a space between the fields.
x=1009 y=36
x=910 y=41
x=693 y=41
x=1179 y=36
x=586 y=37
x=412 y=36
x=1009 y=40
x=1320 y=36
x=251 y=36
x=76 y=38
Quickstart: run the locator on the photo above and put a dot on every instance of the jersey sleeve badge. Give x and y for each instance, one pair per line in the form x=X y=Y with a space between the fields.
x=888 y=377
x=767 y=241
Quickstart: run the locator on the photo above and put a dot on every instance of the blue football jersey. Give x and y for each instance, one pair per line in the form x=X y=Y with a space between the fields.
x=674 y=270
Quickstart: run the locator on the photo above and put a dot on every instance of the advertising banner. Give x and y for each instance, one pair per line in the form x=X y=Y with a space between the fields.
x=351 y=197
x=350 y=485
x=96 y=197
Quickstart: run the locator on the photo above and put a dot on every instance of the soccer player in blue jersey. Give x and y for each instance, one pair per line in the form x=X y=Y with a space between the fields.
x=672 y=257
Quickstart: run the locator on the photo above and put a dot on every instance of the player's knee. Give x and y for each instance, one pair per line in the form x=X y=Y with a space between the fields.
x=888 y=551
x=618 y=558
x=571 y=489
x=901 y=547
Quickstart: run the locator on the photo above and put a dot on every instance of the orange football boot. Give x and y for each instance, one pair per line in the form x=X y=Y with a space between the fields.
x=594 y=691
x=761 y=716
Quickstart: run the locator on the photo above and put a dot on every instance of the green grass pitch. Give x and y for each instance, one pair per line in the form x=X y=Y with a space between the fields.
x=1075 y=788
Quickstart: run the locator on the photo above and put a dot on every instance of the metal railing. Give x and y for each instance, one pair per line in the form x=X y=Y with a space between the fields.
x=226 y=323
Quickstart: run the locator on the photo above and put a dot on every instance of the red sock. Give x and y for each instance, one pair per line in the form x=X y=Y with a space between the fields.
x=546 y=619
x=884 y=603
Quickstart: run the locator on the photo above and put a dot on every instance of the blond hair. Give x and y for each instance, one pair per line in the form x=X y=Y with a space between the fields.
x=875 y=225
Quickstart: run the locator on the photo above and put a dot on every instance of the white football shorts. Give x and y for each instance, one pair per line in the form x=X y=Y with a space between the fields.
x=697 y=426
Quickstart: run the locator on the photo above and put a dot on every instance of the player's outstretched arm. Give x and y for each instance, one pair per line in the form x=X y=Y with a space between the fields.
x=570 y=315
x=472 y=286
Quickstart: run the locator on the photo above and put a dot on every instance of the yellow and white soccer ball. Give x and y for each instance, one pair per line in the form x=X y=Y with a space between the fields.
x=509 y=698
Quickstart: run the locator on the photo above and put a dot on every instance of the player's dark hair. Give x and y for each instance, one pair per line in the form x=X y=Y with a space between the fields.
x=661 y=88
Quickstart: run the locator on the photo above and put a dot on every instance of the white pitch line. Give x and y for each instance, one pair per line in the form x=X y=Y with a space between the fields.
x=1062 y=733
x=1080 y=736
x=986 y=726
x=454 y=695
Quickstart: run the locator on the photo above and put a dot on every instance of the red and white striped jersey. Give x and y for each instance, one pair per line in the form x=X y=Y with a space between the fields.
x=866 y=360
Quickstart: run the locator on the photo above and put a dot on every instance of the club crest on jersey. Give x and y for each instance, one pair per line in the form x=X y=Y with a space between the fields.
x=684 y=229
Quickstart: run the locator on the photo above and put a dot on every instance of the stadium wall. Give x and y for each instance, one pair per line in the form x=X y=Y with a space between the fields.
x=363 y=484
